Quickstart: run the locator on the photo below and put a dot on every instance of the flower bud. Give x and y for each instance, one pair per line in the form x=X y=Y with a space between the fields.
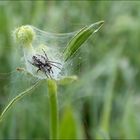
x=25 y=35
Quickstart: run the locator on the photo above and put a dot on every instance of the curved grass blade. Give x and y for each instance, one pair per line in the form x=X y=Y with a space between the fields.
x=15 y=99
x=76 y=42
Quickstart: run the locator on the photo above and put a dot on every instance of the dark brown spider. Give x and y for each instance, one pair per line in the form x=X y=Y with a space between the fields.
x=44 y=65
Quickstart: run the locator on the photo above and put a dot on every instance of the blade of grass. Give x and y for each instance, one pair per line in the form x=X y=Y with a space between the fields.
x=76 y=42
x=104 y=127
x=68 y=121
x=17 y=98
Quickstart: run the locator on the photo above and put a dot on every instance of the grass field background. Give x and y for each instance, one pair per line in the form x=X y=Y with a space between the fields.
x=104 y=102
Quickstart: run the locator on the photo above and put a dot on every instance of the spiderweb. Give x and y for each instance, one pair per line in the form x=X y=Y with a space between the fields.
x=24 y=75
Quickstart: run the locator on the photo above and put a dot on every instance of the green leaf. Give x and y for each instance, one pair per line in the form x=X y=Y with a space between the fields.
x=68 y=125
x=67 y=80
x=76 y=42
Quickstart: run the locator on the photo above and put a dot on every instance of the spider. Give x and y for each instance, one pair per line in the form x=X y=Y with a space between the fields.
x=44 y=65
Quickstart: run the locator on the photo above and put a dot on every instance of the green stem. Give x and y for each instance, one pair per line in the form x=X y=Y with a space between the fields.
x=52 y=91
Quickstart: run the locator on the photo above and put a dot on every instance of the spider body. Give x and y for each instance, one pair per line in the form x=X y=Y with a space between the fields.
x=44 y=64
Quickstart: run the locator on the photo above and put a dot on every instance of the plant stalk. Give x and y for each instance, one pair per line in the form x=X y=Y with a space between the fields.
x=52 y=91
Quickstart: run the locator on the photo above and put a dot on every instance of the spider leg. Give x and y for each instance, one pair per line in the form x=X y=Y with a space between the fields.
x=30 y=62
x=48 y=74
x=51 y=71
x=48 y=58
x=45 y=54
x=38 y=70
x=54 y=62
x=55 y=66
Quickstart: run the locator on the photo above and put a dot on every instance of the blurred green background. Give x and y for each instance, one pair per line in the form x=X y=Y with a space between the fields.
x=105 y=101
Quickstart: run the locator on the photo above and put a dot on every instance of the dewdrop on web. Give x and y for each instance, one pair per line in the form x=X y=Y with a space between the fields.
x=41 y=60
